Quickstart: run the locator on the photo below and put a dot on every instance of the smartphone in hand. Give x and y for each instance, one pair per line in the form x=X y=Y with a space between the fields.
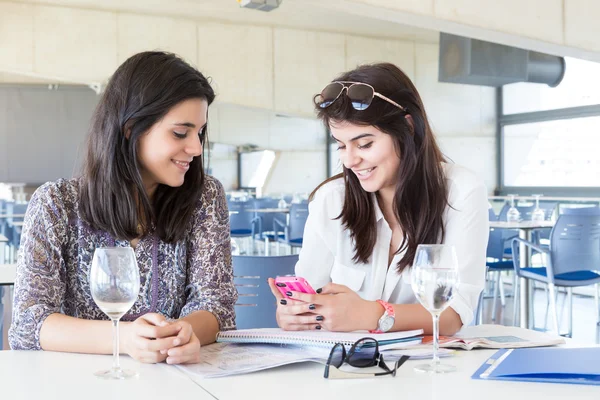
x=293 y=284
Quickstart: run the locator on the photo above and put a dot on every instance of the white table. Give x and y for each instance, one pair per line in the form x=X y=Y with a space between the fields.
x=269 y=210
x=48 y=375
x=8 y=272
x=525 y=232
x=51 y=375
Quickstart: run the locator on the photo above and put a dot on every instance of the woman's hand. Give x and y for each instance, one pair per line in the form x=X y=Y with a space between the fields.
x=293 y=315
x=336 y=308
x=148 y=337
x=187 y=350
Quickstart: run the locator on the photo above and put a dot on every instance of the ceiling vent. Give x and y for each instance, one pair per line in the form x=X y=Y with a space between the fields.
x=261 y=5
x=475 y=62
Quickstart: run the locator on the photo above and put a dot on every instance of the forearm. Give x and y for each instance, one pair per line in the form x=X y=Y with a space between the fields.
x=74 y=335
x=415 y=316
x=205 y=326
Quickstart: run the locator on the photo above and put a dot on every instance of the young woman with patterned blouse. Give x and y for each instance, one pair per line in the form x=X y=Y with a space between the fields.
x=142 y=186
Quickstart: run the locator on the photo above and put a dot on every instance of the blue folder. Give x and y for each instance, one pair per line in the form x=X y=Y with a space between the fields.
x=556 y=365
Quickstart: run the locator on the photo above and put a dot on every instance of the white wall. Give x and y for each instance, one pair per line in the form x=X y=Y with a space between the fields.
x=258 y=71
x=462 y=116
x=300 y=144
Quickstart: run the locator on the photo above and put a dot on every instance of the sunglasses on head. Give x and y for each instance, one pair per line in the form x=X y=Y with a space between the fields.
x=361 y=95
x=364 y=353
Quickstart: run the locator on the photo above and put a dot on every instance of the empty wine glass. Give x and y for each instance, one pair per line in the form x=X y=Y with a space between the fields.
x=282 y=203
x=434 y=281
x=235 y=249
x=538 y=215
x=115 y=284
x=513 y=215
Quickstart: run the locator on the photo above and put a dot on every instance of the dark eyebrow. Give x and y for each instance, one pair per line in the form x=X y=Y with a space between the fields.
x=362 y=135
x=188 y=124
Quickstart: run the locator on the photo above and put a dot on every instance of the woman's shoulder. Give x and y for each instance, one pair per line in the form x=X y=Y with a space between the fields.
x=462 y=181
x=334 y=188
x=211 y=189
x=61 y=192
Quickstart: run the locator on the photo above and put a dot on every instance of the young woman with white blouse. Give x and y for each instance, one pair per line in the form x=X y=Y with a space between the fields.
x=396 y=191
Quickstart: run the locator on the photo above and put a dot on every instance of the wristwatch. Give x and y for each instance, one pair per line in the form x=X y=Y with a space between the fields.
x=387 y=319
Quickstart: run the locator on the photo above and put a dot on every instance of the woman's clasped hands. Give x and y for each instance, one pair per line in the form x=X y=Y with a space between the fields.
x=152 y=339
x=334 y=308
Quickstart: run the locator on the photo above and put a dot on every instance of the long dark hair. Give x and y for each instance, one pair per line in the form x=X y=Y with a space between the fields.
x=112 y=196
x=421 y=191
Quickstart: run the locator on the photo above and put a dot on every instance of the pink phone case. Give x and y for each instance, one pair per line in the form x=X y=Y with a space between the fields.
x=293 y=284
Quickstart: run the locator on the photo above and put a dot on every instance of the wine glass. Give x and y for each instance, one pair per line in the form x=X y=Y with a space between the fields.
x=538 y=215
x=115 y=284
x=282 y=203
x=434 y=281
x=513 y=215
x=235 y=249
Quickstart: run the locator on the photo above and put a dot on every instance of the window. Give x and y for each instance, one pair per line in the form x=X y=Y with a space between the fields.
x=576 y=89
x=550 y=137
x=564 y=153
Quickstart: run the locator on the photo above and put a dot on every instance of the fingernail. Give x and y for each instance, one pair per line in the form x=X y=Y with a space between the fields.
x=319 y=290
x=289 y=294
x=319 y=318
x=318 y=327
x=164 y=323
x=311 y=307
x=283 y=302
x=177 y=341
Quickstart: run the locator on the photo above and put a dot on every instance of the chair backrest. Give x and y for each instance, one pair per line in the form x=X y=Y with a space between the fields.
x=575 y=243
x=1 y=314
x=241 y=223
x=256 y=305
x=496 y=243
x=593 y=210
x=298 y=216
x=13 y=208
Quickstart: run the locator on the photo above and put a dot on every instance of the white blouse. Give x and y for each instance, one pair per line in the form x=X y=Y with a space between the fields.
x=327 y=248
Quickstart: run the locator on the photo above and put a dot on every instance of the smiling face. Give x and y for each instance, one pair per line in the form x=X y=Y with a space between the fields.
x=369 y=154
x=166 y=150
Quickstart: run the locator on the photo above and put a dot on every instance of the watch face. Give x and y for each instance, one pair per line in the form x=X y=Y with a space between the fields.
x=387 y=324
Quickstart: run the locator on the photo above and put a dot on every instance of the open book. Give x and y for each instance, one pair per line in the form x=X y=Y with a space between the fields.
x=317 y=338
x=225 y=359
x=496 y=337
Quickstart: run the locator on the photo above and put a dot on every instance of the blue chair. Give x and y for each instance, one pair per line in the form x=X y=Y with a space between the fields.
x=1 y=317
x=266 y=221
x=496 y=263
x=572 y=260
x=478 y=320
x=243 y=223
x=293 y=232
x=581 y=211
x=12 y=231
x=256 y=305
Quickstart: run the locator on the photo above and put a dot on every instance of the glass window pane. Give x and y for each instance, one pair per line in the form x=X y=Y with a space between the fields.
x=561 y=153
x=576 y=89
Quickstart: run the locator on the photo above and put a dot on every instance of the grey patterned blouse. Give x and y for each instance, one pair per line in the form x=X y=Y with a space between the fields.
x=57 y=249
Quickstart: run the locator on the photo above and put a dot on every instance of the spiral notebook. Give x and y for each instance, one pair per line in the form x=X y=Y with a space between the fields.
x=316 y=338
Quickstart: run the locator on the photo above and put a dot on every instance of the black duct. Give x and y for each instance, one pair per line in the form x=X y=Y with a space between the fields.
x=475 y=62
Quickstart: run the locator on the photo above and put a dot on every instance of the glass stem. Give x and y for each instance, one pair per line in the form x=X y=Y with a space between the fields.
x=116 y=365
x=436 y=340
